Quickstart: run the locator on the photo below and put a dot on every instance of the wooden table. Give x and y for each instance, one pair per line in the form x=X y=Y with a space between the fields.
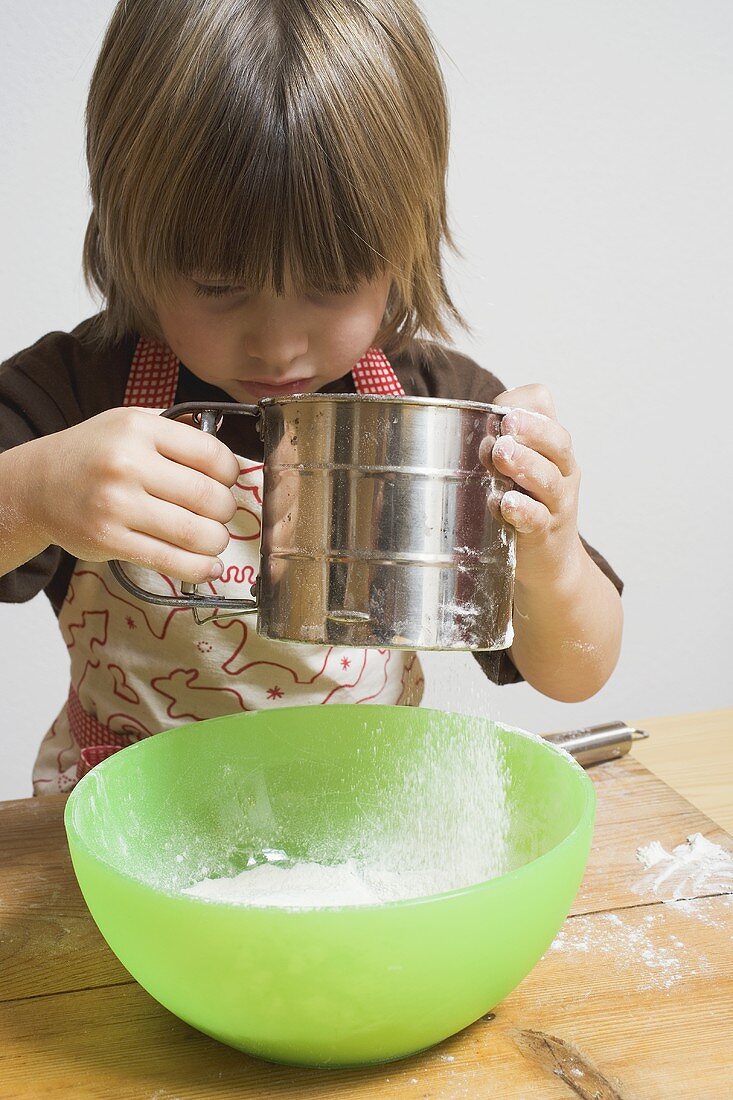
x=694 y=754
x=593 y=1019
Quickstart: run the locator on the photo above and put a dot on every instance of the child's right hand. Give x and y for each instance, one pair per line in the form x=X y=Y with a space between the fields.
x=131 y=484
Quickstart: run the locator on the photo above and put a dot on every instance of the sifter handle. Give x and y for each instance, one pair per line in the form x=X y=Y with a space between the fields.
x=208 y=418
x=208 y=422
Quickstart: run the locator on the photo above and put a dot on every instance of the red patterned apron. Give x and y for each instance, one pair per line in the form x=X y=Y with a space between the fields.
x=139 y=668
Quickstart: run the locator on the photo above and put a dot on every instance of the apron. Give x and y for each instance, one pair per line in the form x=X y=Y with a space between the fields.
x=139 y=668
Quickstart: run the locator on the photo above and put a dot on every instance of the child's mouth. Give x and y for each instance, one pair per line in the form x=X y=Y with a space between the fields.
x=271 y=389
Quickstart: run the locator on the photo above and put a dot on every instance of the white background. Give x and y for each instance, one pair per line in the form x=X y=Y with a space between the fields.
x=590 y=191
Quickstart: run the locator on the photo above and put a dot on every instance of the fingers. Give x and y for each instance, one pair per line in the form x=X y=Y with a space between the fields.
x=181 y=528
x=531 y=471
x=189 y=489
x=493 y=431
x=198 y=450
x=541 y=434
x=171 y=561
x=527 y=516
x=535 y=451
x=536 y=398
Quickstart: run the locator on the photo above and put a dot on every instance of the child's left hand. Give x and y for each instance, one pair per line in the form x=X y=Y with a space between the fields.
x=568 y=619
x=536 y=452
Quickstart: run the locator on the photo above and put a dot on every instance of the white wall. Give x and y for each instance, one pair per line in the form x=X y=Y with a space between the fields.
x=590 y=190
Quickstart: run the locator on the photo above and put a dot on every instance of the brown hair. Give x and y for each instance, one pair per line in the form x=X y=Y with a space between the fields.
x=255 y=139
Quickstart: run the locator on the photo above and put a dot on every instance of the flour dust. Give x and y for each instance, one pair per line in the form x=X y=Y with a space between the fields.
x=638 y=946
x=439 y=823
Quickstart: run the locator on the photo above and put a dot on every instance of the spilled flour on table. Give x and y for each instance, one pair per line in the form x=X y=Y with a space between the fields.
x=698 y=910
x=632 y=946
x=695 y=867
x=698 y=866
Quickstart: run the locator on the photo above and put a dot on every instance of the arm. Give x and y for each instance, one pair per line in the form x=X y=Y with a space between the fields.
x=567 y=613
x=20 y=536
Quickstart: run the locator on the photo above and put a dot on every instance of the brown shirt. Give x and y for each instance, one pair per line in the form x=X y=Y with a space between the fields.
x=66 y=378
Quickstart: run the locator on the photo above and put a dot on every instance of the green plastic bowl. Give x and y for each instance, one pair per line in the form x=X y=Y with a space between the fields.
x=332 y=986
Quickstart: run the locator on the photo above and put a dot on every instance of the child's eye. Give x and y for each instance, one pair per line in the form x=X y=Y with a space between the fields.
x=220 y=290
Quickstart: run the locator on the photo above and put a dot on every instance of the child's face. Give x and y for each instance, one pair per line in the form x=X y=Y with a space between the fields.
x=260 y=345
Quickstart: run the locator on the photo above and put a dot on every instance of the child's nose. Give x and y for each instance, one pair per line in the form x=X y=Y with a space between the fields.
x=277 y=346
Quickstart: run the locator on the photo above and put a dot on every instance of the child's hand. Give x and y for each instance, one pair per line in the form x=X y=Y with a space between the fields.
x=536 y=452
x=131 y=484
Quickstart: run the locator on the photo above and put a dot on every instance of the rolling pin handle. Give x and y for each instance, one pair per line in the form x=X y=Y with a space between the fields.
x=596 y=744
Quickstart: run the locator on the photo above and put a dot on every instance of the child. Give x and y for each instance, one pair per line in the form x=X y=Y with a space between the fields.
x=268 y=187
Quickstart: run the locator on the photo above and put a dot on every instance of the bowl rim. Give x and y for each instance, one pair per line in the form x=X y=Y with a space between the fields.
x=587 y=811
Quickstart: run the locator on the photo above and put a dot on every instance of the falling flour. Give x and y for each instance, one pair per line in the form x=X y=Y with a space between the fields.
x=440 y=823
x=692 y=868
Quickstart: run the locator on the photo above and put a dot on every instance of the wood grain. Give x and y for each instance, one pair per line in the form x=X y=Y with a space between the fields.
x=73 y=1024
x=694 y=754
x=570 y=1065
x=48 y=942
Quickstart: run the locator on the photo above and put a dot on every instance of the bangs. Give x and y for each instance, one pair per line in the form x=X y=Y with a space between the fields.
x=278 y=215
x=262 y=181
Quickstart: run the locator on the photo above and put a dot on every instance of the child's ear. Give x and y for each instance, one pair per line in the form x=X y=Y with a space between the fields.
x=394 y=316
x=392 y=298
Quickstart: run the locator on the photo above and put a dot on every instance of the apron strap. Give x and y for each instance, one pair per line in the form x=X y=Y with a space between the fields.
x=153 y=378
x=375 y=374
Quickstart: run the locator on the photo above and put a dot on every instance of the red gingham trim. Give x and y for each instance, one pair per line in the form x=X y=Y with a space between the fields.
x=95 y=740
x=374 y=374
x=153 y=378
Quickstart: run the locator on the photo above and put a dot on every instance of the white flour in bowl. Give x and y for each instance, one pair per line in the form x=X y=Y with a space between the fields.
x=297 y=885
x=304 y=885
